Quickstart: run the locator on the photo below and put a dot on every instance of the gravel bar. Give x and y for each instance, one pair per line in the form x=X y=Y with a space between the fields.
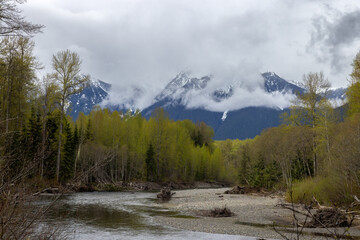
x=255 y=215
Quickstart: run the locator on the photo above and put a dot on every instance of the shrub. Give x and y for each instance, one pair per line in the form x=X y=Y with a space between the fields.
x=112 y=188
x=326 y=190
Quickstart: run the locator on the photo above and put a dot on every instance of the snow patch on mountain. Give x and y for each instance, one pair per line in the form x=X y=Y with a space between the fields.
x=224 y=116
x=274 y=83
x=93 y=94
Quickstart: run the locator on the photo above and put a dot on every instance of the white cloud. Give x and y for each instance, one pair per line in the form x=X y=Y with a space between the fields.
x=246 y=93
x=242 y=98
x=148 y=42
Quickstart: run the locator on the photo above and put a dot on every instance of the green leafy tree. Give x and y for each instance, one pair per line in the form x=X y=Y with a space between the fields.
x=353 y=93
x=244 y=164
x=202 y=135
x=306 y=110
x=17 y=74
x=66 y=66
x=49 y=96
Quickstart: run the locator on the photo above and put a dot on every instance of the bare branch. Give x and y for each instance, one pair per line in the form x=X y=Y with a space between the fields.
x=12 y=23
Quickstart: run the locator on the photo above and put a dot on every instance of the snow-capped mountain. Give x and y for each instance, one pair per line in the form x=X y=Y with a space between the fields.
x=339 y=93
x=243 y=123
x=274 y=83
x=177 y=90
x=181 y=84
x=92 y=95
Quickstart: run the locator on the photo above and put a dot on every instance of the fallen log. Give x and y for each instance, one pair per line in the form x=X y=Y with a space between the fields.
x=244 y=190
x=49 y=190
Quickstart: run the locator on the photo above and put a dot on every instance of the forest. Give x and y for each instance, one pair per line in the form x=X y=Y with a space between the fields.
x=315 y=152
x=40 y=141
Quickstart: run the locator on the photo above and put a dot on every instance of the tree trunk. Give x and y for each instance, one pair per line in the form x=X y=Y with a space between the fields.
x=77 y=158
x=8 y=94
x=59 y=144
x=8 y=104
x=314 y=150
x=43 y=149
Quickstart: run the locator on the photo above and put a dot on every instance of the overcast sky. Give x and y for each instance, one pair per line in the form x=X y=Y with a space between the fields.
x=148 y=42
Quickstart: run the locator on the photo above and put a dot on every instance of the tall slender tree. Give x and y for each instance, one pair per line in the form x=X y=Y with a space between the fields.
x=67 y=165
x=150 y=164
x=67 y=67
x=17 y=74
x=353 y=93
x=307 y=109
x=48 y=97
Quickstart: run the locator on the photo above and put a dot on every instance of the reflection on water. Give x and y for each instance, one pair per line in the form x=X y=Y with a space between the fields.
x=99 y=216
x=117 y=216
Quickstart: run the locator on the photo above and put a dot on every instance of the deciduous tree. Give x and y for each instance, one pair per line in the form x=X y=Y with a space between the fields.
x=353 y=93
x=306 y=110
x=66 y=66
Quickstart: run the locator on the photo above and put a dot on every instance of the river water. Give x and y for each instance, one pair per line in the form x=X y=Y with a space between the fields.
x=118 y=215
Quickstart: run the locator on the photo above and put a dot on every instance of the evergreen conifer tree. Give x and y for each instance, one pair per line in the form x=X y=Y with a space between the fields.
x=33 y=134
x=89 y=136
x=51 y=146
x=67 y=165
x=150 y=164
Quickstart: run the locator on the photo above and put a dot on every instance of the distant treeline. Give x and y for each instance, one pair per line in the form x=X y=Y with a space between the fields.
x=127 y=147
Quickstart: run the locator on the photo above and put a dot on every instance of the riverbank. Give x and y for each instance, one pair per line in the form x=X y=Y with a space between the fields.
x=255 y=215
x=144 y=186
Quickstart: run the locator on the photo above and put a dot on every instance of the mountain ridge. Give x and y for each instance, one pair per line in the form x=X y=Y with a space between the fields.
x=246 y=122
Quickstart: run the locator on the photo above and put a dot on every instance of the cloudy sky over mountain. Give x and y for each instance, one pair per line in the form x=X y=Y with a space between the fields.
x=148 y=42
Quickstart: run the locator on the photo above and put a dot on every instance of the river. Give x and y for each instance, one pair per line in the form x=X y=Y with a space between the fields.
x=117 y=215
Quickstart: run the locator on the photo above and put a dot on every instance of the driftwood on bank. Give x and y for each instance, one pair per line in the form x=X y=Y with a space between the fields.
x=236 y=190
x=322 y=217
x=49 y=190
x=220 y=212
x=329 y=218
x=242 y=190
x=216 y=212
x=165 y=193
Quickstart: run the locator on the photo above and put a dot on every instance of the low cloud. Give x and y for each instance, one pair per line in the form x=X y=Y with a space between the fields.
x=246 y=92
x=242 y=98
x=129 y=97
